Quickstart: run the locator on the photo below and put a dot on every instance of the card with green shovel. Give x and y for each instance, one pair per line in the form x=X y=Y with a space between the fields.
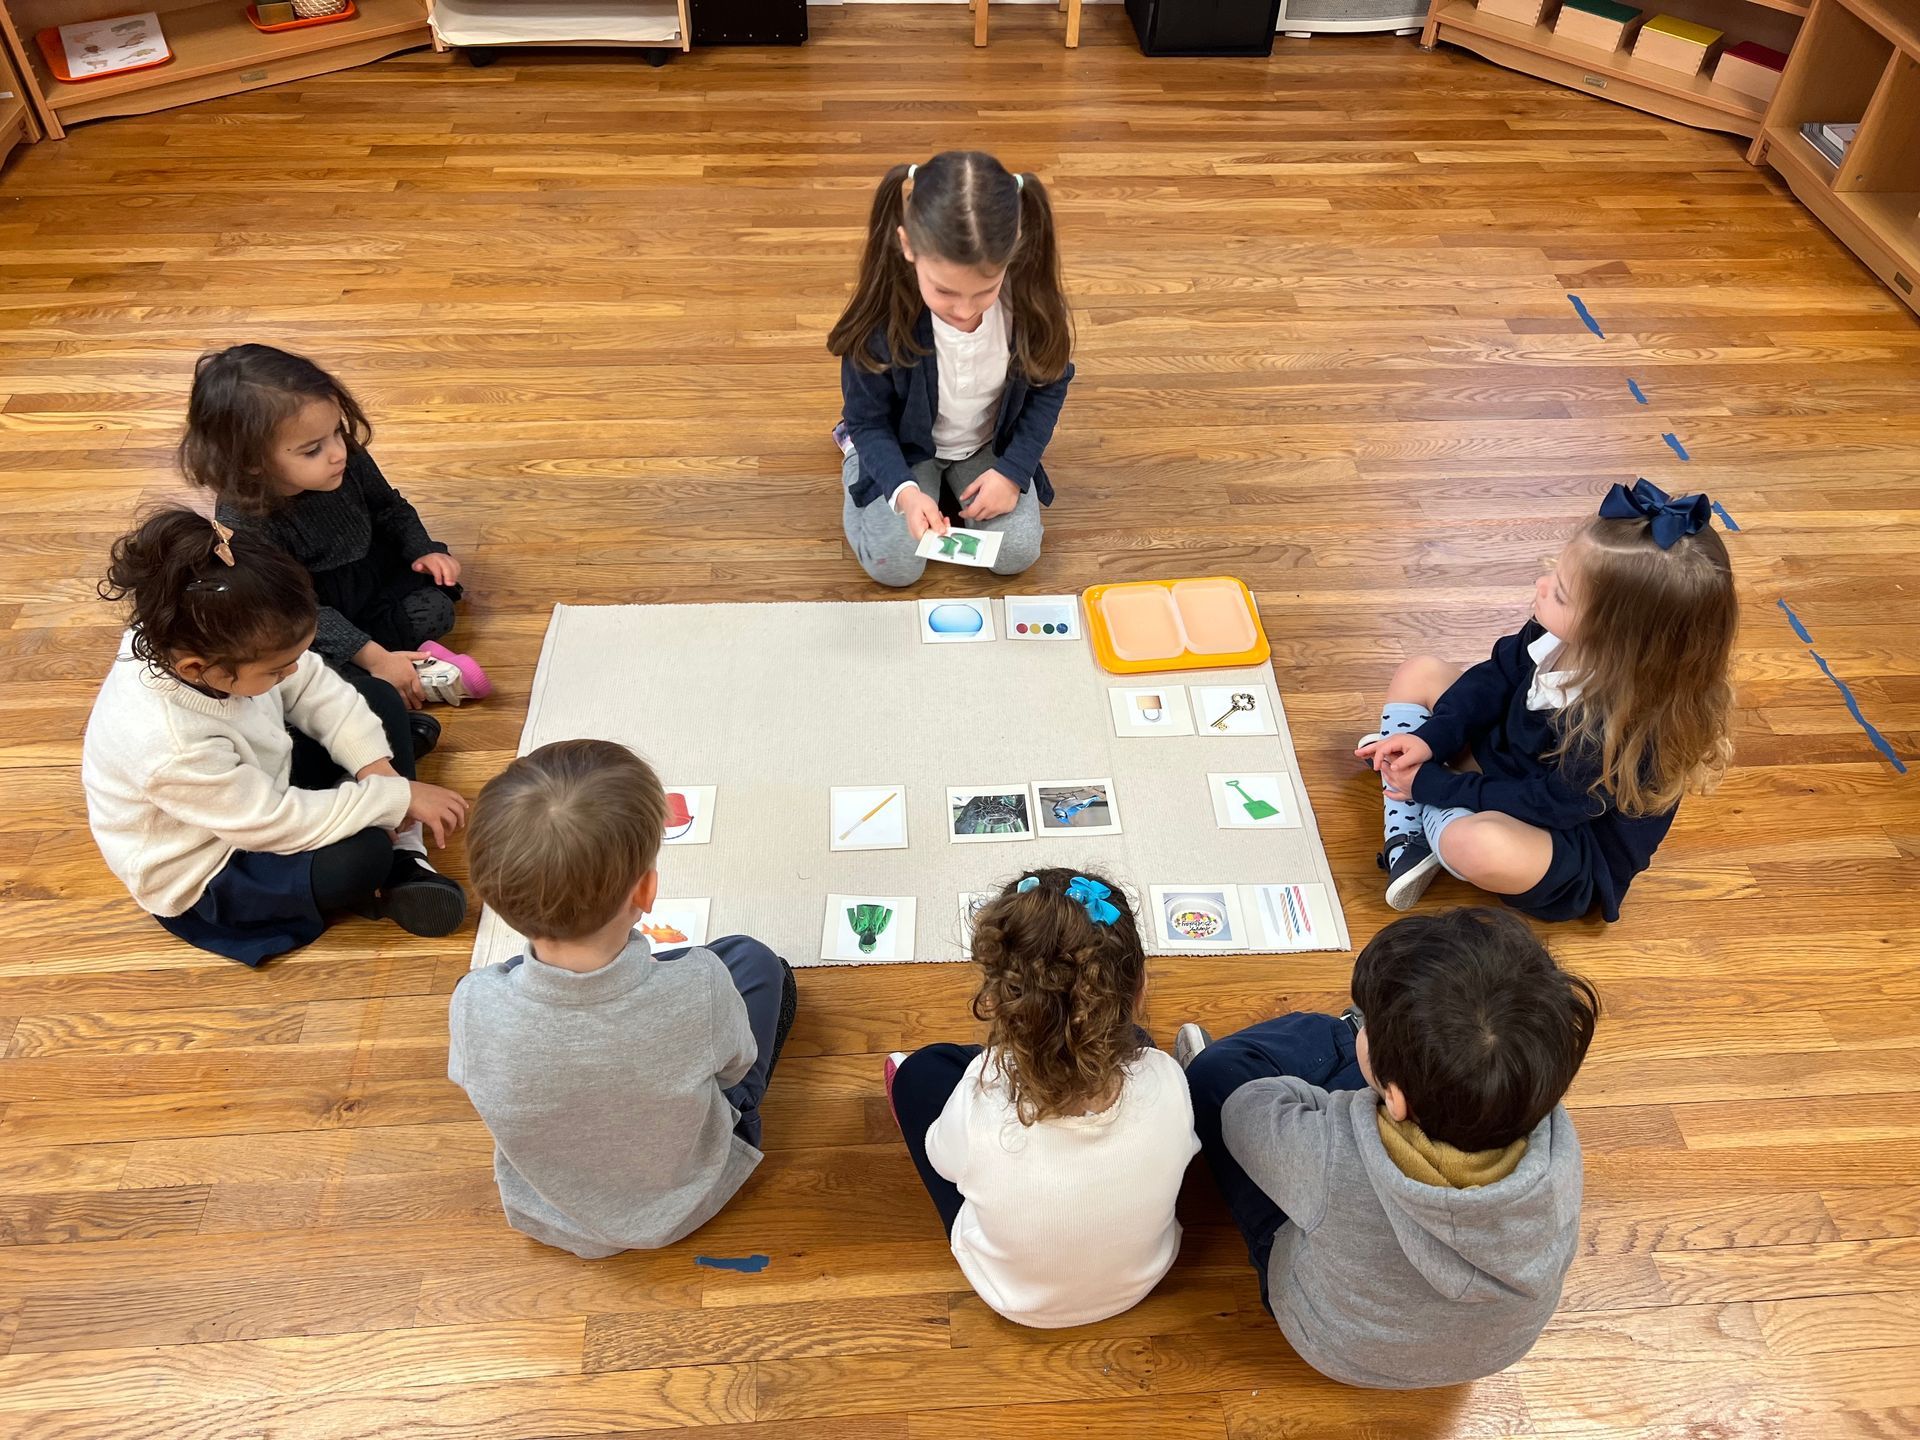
x=1253 y=801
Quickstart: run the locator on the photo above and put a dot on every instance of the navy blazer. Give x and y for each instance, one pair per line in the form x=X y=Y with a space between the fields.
x=1485 y=710
x=889 y=416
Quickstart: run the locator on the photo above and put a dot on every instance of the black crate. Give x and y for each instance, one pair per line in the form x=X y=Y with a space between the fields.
x=1204 y=27
x=748 y=22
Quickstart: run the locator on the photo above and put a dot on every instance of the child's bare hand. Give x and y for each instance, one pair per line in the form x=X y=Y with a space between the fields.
x=439 y=810
x=922 y=513
x=396 y=668
x=992 y=495
x=444 y=569
x=1396 y=750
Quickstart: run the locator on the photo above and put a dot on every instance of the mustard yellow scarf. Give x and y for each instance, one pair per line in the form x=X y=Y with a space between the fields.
x=1434 y=1162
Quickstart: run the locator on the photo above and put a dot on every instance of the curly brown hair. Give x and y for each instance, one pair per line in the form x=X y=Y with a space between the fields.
x=240 y=397
x=1059 y=993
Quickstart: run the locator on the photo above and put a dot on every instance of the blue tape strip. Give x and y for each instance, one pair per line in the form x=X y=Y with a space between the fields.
x=1674 y=442
x=1638 y=394
x=745 y=1264
x=1846 y=694
x=1725 y=519
x=1586 y=316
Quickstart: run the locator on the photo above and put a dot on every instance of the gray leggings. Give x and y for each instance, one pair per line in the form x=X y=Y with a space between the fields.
x=878 y=533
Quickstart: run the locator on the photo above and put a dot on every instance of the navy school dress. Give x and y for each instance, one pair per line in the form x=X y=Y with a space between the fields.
x=1596 y=850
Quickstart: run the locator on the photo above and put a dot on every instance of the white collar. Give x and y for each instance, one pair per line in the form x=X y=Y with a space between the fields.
x=1551 y=689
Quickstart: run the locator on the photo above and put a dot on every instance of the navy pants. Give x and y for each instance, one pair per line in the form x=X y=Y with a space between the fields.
x=1314 y=1048
x=766 y=985
x=261 y=904
x=385 y=596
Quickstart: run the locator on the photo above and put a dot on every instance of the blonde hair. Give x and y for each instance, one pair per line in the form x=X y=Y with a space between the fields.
x=1653 y=662
x=1058 y=991
x=558 y=839
x=964 y=208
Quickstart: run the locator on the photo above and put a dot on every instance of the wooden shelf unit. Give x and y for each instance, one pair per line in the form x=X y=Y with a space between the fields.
x=19 y=125
x=1617 y=76
x=216 y=51
x=1858 y=63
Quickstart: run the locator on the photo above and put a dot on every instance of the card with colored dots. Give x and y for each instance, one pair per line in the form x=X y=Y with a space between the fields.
x=1043 y=617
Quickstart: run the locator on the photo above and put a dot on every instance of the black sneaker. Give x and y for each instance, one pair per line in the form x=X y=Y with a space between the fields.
x=1410 y=866
x=419 y=899
x=425 y=731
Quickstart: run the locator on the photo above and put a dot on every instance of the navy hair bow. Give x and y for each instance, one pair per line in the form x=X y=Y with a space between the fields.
x=1671 y=519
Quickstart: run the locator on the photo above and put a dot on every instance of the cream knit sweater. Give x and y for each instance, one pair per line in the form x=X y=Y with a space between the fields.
x=177 y=781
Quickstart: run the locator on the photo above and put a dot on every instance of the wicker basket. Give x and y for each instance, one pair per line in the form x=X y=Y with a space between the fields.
x=318 y=9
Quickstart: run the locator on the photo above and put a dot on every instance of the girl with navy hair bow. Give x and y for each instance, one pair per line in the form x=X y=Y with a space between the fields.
x=1053 y=1153
x=1549 y=773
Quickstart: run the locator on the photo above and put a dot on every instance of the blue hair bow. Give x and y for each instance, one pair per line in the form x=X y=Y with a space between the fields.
x=1671 y=519
x=1093 y=895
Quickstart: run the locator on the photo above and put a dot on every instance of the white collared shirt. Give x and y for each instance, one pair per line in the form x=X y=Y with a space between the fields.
x=973 y=376
x=1551 y=689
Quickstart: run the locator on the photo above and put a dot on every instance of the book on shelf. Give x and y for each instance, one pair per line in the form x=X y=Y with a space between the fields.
x=1602 y=24
x=1521 y=12
x=1750 y=68
x=1830 y=138
x=1676 y=44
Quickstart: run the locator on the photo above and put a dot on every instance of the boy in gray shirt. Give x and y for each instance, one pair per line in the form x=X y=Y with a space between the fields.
x=622 y=1089
x=1405 y=1176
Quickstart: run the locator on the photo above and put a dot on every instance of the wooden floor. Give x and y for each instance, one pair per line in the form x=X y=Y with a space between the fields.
x=1326 y=344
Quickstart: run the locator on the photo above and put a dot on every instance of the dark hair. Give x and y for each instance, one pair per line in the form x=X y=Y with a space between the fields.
x=1058 y=992
x=186 y=600
x=240 y=397
x=965 y=209
x=1466 y=1011
x=559 y=838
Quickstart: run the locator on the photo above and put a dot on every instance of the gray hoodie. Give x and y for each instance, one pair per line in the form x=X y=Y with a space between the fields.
x=1380 y=1280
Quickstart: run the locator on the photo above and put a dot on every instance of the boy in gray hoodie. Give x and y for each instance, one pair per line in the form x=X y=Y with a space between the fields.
x=622 y=1089
x=1405 y=1176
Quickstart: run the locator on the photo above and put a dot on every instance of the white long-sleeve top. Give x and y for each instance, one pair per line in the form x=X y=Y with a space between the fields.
x=177 y=781
x=1069 y=1220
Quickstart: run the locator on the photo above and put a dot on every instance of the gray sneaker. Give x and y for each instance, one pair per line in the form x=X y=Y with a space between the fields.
x=1189 y=1042
x=1410 y=868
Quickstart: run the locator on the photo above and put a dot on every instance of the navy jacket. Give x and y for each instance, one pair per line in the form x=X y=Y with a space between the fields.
x=890 y=414
x=1486 y=709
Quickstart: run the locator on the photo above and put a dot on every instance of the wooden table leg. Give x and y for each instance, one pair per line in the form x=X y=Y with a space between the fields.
x=980 y=22
x=1072 y=7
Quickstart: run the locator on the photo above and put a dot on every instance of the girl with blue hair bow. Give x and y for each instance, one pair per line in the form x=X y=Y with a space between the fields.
x=1053 y=1153
x=1549 y=773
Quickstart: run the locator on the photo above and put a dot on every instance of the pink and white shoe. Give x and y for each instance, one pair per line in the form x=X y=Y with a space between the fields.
x=894 y=1061
x=450 y=678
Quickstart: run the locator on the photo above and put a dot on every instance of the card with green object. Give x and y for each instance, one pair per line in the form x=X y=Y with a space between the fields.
x=868 y=927
x=1244 y=800
x=978 y=548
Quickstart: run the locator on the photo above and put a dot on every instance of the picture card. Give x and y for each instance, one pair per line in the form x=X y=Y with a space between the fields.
x=867 y=817
x=955 y=622
x=1291 y=917
x=960 y=546
x=675 y=924
x=1149 y=710
x=970 y=904
x=868 y=927
x=1233 y=710
x=1197 y=918
x=1076 y=807
x=978 y=813
x=689 y=814
x=1043 y=617
x=1253 y=800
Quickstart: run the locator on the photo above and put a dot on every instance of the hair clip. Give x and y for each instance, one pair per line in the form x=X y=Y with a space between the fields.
x=1093 y=895
x=910 y=170
x=1672 y=519
x=1032 y=882
x=207 y=587
x=222 y=544
x=1020 y=180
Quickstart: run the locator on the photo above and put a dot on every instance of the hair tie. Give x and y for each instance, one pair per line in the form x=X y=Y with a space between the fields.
x=1671 y=519
x=910 y=171
x=222 y=546
x=1020 y=181
x=1032 y=882
x=1093 y=895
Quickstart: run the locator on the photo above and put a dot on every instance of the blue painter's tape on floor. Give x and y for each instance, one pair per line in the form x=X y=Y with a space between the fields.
x=1673 y=441
x=1638 y=394
x=1586 y=316
x=1725 y=519
x=1846 y=693
x=745 y=1264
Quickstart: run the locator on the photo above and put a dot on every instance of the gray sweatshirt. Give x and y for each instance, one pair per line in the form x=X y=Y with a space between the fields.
x=604 y=1093
x=1380 y=1280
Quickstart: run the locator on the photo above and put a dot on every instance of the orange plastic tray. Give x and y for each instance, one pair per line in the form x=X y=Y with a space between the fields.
x=253 y=19
x=1204 y=623
x=55 y=54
